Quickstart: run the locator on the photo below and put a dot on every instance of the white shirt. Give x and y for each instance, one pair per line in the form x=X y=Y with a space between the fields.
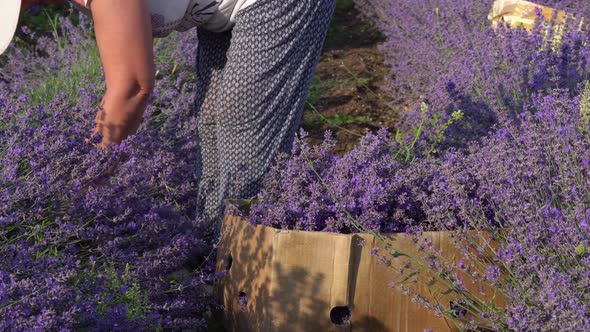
x=182 y=15
x=224 y=18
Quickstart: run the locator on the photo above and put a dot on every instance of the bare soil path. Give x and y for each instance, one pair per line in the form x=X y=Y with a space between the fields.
x=345 y=94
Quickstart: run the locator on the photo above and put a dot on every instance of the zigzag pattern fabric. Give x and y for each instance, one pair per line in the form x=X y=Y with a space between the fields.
x=252 y=87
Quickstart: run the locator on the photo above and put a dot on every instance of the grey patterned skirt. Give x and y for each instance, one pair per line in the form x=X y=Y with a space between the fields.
x=252 y=87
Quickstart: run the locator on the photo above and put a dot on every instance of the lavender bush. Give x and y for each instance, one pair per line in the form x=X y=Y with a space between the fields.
x=81 y=249
x=527 y=178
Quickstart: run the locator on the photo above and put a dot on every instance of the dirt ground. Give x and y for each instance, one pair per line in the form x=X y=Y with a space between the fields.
x=345 y=96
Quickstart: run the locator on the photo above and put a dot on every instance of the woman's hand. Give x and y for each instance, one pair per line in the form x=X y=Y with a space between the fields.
x=124 y=37
x=115 y=127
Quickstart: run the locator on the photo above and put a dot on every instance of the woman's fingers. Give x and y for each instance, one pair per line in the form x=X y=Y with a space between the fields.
x=109 y=131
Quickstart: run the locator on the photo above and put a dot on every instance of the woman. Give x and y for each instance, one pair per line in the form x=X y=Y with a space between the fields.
x=255 y=62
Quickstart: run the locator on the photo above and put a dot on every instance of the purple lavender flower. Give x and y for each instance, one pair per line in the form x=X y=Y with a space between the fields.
x=493 y=273
x=243 y=300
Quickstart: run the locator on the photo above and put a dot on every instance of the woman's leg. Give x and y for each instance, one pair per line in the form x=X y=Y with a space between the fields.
x=211 y=60
x=275 y=46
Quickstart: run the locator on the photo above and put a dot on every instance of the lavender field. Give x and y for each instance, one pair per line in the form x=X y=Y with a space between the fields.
x=496 y=138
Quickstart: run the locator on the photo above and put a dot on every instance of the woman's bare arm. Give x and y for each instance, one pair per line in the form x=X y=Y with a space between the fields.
x=124 y=37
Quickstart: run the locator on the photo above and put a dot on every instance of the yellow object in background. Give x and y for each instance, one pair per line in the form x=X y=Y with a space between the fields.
x=518 y=13
x=522 y=13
